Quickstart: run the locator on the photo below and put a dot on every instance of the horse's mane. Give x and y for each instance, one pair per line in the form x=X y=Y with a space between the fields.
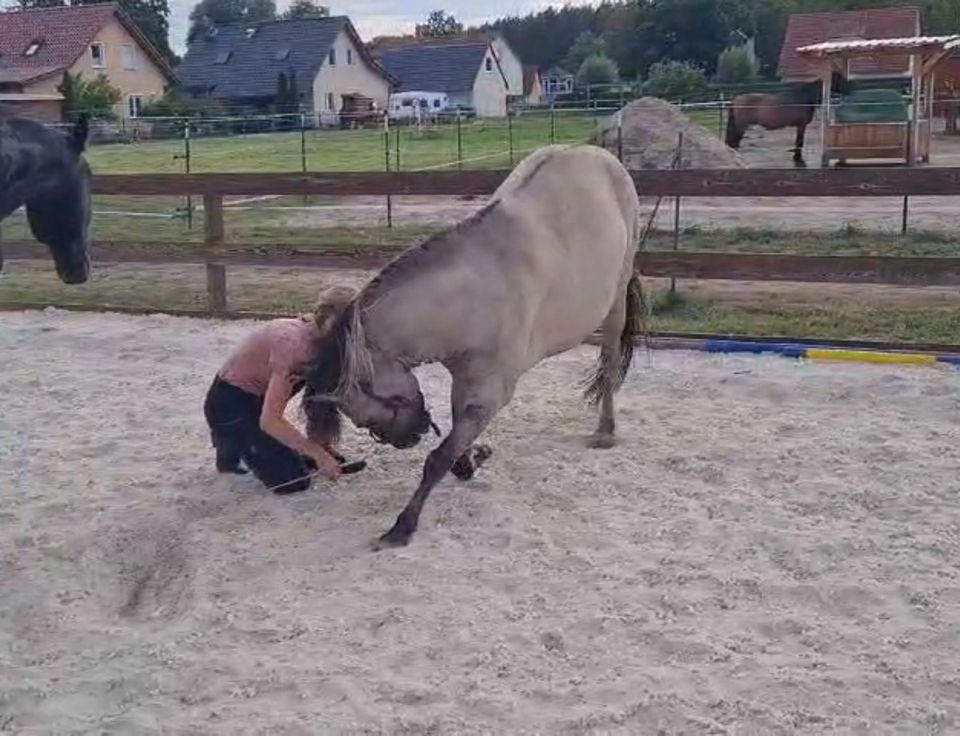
x=436 y=248
x=345 y=361
x=431 y=252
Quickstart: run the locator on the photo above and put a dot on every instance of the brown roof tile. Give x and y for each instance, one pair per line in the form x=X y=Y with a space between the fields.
x=804 y=29
x=64 y=34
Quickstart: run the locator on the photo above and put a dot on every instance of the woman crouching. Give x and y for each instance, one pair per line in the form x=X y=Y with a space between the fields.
x=245 y=405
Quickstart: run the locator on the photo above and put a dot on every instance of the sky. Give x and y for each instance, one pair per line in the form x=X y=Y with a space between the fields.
x=377 y=17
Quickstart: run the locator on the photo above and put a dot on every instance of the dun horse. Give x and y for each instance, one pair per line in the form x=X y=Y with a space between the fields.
x=544 y=264
x=45 y=171
x=793 y=107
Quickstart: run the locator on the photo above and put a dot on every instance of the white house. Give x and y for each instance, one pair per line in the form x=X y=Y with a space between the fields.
x=468 y=72
x=510 y=65
x=241 y=64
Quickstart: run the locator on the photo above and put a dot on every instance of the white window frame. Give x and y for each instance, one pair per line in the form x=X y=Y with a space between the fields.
x=134 y=106
x=128 y=57
x=103 y=55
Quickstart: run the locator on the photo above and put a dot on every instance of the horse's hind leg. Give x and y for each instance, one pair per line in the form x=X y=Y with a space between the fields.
x=605 y=381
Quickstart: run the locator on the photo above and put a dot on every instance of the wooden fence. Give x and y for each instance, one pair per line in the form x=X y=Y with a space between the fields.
x=216 y=254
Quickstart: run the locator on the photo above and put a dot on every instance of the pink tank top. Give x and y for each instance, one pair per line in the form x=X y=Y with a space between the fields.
x=280 y=346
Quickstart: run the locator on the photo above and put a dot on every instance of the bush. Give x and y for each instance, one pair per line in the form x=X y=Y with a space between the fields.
x=597 y=69
x=675 y=80
x=736 y=67
x=97 y=98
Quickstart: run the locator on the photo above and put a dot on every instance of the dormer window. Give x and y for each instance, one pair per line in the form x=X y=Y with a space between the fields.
x=98 y=56
x=32 y=48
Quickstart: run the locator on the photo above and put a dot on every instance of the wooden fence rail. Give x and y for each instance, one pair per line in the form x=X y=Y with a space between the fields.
x=853 y=182
x=216 y=254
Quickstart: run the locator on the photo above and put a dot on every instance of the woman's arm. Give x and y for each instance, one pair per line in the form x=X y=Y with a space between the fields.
x=273 y=422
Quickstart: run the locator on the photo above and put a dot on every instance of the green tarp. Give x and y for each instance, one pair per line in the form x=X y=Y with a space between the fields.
x=873 y=106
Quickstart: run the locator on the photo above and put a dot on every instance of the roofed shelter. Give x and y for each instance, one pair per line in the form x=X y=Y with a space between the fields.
x=854 y=130
x=807 y=29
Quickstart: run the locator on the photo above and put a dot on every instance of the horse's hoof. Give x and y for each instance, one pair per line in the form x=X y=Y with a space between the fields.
x=601 y=441
x=467 y=464
x=391 y=539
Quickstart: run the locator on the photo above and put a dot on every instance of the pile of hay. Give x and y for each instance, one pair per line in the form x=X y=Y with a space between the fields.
x=650 y=133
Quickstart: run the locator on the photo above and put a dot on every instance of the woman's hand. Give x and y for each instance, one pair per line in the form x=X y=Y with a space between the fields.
x=327 y=465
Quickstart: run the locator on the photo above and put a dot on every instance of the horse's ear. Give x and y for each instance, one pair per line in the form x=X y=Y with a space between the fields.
x=80 y=133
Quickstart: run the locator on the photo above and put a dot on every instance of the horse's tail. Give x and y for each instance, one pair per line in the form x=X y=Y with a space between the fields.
x=732 y=137
x=604 y=380
x=80 y=133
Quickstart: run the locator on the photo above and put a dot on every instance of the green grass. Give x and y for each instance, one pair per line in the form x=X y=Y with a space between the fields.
x=783 y=310
x=485 y=144
x=832 y=319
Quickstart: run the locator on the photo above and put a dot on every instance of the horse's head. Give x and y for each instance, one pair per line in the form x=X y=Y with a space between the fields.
x=376 y=391
x=59 y=211
x=389 y=403
x=60 y=217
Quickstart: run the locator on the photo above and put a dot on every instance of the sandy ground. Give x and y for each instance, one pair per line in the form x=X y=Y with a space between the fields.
x=773 y=548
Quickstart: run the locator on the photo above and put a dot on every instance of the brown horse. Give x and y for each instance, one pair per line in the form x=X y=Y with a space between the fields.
x=794 y=107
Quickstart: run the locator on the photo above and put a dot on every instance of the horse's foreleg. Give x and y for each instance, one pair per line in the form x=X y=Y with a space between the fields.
x=473 y=409
x=798 y=143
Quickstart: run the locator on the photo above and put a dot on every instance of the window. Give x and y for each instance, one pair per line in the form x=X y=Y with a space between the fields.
x=134 y=106
x=331 y=102
x=128 y=54
x=489 y=64
x=332 y=57
x=98 y=56
x=282 y=54
x=33 y=48
x=349 y=56
x=222 y=58
x=436 y=102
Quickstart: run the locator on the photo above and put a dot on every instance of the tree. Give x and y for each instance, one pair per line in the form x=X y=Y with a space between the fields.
x=439 y=23
x=306 y=9
x=153 y=19
x=597 y=69
x=587 y=44
x=96 y=98
x=735 y=66
x=675 y=80
x=208 y=13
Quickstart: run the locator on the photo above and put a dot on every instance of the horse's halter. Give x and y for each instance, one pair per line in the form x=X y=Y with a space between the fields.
x=394 y=404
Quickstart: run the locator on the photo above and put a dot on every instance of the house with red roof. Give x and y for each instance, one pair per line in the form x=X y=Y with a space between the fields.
x=806 y=29
x=38 y=45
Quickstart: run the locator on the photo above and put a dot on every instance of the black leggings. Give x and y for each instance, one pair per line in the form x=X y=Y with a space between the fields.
x=234 y=419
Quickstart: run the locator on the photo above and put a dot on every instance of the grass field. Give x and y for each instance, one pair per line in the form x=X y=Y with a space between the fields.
x=728 y=308
x=773 y=309
x=484 y=144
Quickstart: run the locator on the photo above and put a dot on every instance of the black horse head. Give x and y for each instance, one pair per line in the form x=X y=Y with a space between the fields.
x=45 y=172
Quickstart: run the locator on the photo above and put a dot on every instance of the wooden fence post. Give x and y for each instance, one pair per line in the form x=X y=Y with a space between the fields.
x=213 y=242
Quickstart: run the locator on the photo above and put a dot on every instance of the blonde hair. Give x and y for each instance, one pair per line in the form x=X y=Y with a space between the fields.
x=331 y=303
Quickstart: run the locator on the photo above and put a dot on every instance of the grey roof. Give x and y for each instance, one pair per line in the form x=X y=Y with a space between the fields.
x=254 y=62
x=447 y=68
